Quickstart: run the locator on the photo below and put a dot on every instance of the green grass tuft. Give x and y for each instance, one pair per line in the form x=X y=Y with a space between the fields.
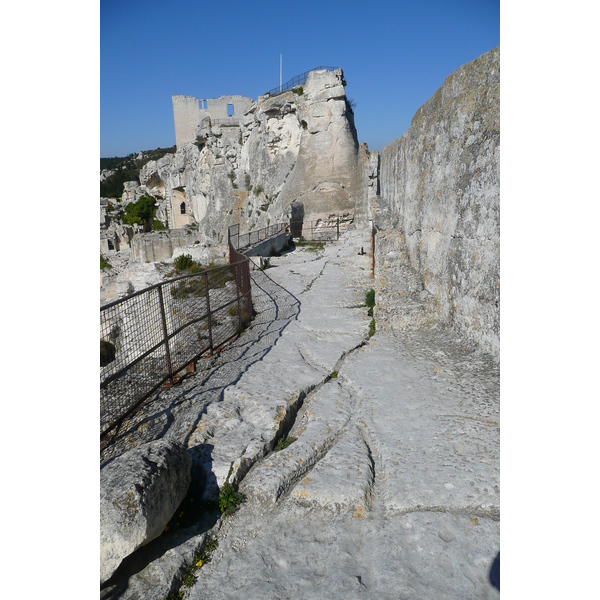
x=372 y=327
x=283 y=443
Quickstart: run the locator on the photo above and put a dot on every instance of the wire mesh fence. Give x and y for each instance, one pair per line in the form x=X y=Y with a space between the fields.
x=148 y=337
x=245 y=240
x=323 y=230
x=296 y=81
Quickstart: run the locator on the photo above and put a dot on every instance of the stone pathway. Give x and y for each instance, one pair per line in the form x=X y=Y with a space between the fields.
x=391 y=489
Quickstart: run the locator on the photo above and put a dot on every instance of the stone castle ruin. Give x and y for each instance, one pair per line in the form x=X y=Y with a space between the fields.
x=433 y=194
x=190 y=112
x=396 y=433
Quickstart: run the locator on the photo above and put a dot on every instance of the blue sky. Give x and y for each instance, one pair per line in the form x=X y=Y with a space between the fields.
x=395 y=55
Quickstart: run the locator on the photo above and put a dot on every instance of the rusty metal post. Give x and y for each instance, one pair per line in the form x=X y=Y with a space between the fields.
x=238 y=283
x=209 y=315
x=373 y=232
x=165 y=333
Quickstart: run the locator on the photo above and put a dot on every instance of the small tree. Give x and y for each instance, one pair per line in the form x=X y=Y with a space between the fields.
x=141 y=212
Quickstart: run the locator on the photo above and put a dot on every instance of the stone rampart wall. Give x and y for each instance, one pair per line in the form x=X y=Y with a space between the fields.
x=160 y=245
x=440 y=188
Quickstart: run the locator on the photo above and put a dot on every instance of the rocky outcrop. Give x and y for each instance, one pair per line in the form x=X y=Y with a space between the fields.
x=326 y=177
x=300 y=145
x=139 y=493
x=440 y=195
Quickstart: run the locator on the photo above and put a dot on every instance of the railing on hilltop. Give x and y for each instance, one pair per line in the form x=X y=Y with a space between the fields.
x=245 y=240
x=321 y=230
x=226 y=122
x=150 y=336
x=296 y=81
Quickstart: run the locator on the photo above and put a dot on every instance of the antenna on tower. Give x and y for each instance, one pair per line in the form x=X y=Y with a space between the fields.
x=280 y=67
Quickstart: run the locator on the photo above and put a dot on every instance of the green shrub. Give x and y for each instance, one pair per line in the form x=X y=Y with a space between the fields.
x=107 y=353
x=247 y=178
x=370 y=301
x=265 y=263
x=141 y=212
x=333 y=374
x=283 y=443
x=298 y=90
x=157 y=225
x=189 y=577
x=258 y=190
x=183 y=262
x=372 y=327
x=104 y=264
x=229 y=499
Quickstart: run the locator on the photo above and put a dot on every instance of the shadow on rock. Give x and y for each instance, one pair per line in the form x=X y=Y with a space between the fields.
x=494 y=575
x=177 y=411
x=192 y=518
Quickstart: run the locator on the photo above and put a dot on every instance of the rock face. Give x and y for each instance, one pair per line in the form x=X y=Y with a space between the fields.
x=300 y=145
x=440 y=195
x=139 y=493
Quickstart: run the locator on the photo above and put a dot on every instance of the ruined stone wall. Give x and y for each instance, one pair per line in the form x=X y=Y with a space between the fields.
x=440 y=194
x=160 y=245
x=188 y=113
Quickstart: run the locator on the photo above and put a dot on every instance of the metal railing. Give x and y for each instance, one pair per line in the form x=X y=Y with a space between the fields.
x=296 y=81
x=324 y=230
x=245 y=240
x=227 y=122
x=150 y=336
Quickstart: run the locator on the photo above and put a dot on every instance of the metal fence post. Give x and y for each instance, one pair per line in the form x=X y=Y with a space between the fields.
x=165 y=333
x=338 y=228
x=238 y=284
x=210 y=338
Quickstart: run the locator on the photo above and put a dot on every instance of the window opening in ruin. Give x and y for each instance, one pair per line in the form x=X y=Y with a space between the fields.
x=111 y=246
x=182 y=208
x=230 y=110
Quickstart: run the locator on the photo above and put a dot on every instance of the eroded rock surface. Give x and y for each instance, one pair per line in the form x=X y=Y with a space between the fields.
x=440 y=195
x=391 y=488
x=139 y=492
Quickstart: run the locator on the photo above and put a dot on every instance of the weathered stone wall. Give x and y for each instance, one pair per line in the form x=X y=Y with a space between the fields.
x=160 y=245
x=440 y=191
x=188 y=113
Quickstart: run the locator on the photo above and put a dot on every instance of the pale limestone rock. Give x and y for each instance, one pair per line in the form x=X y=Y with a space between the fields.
x=139 y=493
x=440 y=184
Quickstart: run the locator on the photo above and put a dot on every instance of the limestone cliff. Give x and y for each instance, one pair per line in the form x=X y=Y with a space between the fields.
x=300 y=145
x=439 y=248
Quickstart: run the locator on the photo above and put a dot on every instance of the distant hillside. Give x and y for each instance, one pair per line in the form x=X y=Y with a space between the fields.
x=127 y=168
